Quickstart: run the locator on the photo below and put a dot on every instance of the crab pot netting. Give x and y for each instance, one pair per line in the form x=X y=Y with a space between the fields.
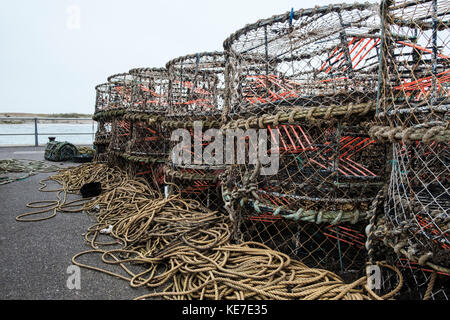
x=338 y=248
x=149 y=105
x=153 y=173
x=318 y=61
x=327 y=179
x=413 y=115
x=201 y=184
x=120 y=135
x=197 y=87
x=120 y=98
x=102 y=138
x=103 y=134
x=120 y=91
x=415 y=62
x=416 y=278
x=149 y=91
x=312 y=57
x=102 y=97
x=197 y=181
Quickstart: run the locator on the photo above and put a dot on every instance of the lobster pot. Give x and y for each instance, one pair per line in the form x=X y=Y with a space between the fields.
x=413 y=117
x=416 y=219
x=195 y=183
x=102 y=97
x=306 y=82
x=102 y=139
x=103 y=134
x=149 y=90
x=415 y=63
x=190 y=172
x=197 y=87
x=196 y=100
x=119 y=102
x=120 y=91
x=149 y=105
x=120 y=136
x=325 y=56
x=327 y=173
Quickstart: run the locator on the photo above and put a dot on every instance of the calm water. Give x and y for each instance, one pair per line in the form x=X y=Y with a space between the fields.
x=46 y=130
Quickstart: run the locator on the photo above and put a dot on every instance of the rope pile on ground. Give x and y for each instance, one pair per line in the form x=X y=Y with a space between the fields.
x=184 y=248
x=353 y=98
x=70 y=181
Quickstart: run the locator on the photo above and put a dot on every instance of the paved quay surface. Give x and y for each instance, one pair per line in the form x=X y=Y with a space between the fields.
x=34 y=256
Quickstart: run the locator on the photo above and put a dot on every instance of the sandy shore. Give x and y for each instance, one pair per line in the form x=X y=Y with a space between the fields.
x=45 y=115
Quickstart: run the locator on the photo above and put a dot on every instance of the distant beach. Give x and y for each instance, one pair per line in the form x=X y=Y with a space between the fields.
x=44 y=115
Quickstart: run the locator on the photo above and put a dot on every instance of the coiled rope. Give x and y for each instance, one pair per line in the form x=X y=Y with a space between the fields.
x=185 y=248
x=70 y=180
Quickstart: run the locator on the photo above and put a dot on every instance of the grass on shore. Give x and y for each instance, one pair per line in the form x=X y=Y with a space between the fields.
x=40 y=115
x=69 y=115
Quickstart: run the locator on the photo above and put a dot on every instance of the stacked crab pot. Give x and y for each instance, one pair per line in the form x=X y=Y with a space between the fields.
x=103 y=134
x=308 y=80
x=413 y=116
x=119 y=103
x=147 y=147
x=196 y=100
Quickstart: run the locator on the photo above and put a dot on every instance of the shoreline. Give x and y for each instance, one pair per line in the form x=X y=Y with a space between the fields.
x=46 y=121
x=44 y=115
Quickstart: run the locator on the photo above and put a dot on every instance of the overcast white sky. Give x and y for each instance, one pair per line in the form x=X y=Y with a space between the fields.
x=48 y=65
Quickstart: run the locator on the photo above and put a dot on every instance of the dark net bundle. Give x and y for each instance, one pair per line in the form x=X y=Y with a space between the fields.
x=103 y=134
x=413 y=114
x=148 y=147
x=120 y=102
x=310 y=78
x=196 y=95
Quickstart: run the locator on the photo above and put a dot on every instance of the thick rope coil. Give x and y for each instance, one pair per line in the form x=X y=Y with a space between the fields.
x=423 y=133
x=191 y=245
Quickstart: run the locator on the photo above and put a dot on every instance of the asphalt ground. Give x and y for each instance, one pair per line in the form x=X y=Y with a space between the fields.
x=35 y=257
